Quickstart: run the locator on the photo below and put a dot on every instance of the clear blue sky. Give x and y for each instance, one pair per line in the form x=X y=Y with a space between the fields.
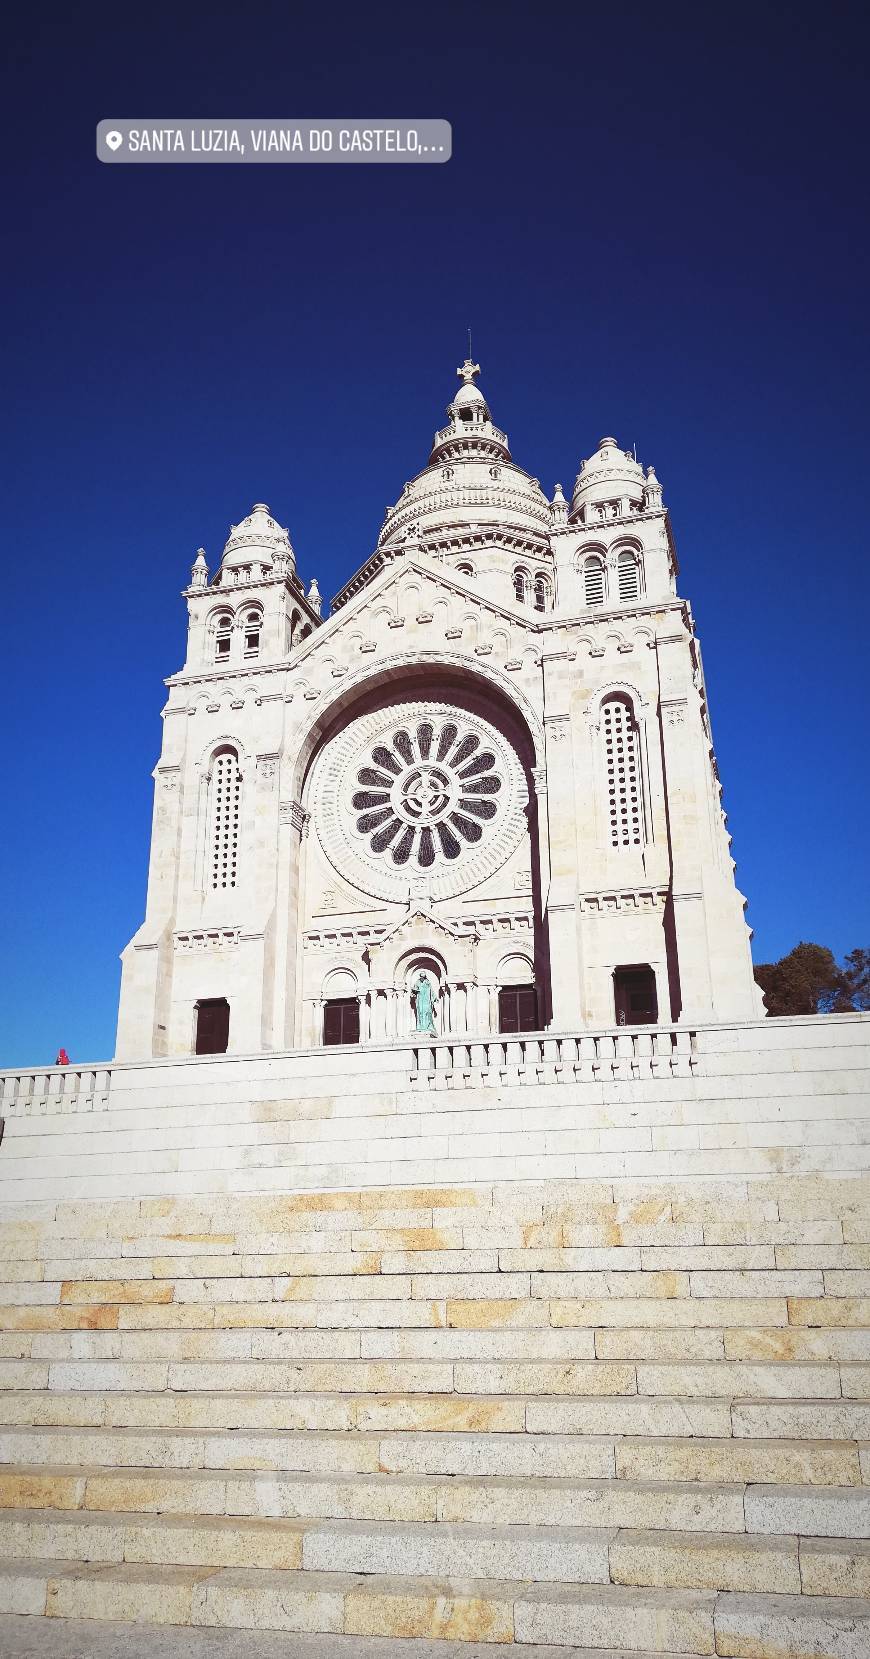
x=655 y=222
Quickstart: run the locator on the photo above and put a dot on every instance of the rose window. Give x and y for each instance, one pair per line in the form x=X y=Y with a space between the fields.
x=419 y=793
x=426 y=792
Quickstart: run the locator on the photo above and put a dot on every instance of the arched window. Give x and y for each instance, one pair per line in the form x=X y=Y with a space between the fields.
x=628 y=573
x=593 y=580
x=252 y=625
x=520 y=585
x=465 y=569
x=223 y=636
x=226 y=792
x=623 y=773
x=542 y=592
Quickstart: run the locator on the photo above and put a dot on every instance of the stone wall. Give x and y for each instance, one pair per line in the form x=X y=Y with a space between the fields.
x=749 y=1100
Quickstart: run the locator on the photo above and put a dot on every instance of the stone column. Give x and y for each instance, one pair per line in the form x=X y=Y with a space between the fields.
x=292 y=829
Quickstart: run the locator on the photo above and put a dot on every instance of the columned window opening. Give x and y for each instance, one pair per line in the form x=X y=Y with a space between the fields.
x=634 y=995
x=223 y=638
x=252 y=626
x=521 y=580
x=542 y=593
x=212 y=1026
x=593 y=580
x=623 y=773
x=341 y=1021
x=226 y=794
x=518 y=1008
x=628 y=576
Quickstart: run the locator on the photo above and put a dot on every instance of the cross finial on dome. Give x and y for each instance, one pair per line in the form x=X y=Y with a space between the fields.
x=468 y=372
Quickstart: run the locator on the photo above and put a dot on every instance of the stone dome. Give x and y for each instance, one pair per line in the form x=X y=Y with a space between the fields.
x=611 y=474
x=259 y=539
x=470 y=482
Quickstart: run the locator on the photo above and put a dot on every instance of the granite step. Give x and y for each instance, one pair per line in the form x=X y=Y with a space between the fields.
x=463 y=1611
x=35 y=1638
x=826 y=1463
x=496 y=1500
x=667 y=1416
x=639 y=1558
x=724 y=1379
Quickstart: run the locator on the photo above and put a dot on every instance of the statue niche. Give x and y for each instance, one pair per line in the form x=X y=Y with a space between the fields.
x=424 y=1006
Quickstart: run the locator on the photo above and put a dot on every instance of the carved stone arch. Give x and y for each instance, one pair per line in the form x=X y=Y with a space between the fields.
x=515 y=968
x=596 y=550
x=499 y=642
x=640 y=704
x=340 y=981
x=613 y=636
x=410 y=597
x=221 y=607
x=399 y=668
x=625 y=544
x=224 y=741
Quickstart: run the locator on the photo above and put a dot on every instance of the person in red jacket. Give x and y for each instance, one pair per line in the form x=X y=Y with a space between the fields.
x=62 y=1057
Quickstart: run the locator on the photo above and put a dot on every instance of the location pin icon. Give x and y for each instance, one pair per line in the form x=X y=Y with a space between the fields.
x=114 y=140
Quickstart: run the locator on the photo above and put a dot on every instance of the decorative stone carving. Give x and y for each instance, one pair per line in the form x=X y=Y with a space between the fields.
x=419 y=789
x=291 y=812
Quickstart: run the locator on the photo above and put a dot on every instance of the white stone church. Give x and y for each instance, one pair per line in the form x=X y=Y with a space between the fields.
x=455 y=1258
x=491 y=767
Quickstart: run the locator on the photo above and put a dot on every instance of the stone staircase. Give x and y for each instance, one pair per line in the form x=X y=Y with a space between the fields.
x=578 y=1416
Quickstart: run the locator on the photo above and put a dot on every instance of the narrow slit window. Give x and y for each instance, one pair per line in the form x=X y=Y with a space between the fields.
x=628 y=572
x=593 y=581
x=623 y=773
x=226 y=792
x=542 y=593
x=520 y=586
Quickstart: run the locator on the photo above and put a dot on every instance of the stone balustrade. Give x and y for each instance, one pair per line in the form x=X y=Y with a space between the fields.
x=36 y=1093
x=553 y=1057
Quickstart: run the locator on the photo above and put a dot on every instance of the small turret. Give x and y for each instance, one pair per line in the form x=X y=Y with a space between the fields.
x=259 y=546
x=652 y=491
x=558 y=508
x=199 y=570
x=609 y=485
x=314 y=597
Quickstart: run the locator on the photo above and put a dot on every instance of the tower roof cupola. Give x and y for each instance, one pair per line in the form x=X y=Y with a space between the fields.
x=470 y=485
x=471 y=430
x=611 y=477
x=259 y=541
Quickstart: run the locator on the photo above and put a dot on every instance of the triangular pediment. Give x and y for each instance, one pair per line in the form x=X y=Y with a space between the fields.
x=419 y=919
x=432 y=582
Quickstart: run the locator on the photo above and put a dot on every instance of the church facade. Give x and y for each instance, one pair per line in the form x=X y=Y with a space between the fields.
x=480 y=797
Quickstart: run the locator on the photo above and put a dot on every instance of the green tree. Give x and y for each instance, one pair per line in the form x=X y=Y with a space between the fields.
x=856 y=974
x=806 y=981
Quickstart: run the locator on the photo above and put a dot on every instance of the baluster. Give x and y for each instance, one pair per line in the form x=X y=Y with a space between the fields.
x=643 y=1047
x=624 y=1055
x=606 y=1058
x=681 y=1062
x=660 y=1064
x=587 y=1055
